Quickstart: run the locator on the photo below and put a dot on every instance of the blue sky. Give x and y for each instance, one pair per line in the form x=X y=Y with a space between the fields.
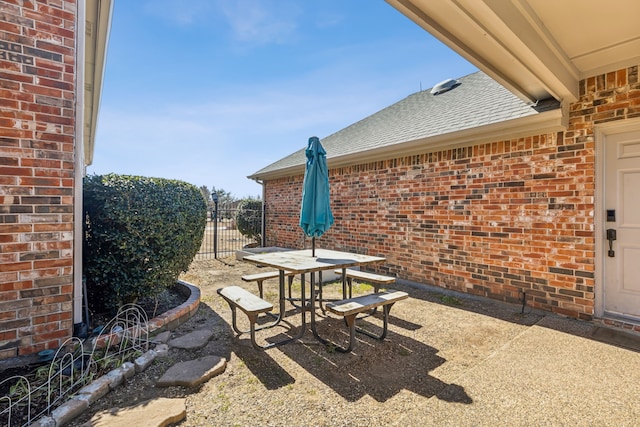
x=211 y=91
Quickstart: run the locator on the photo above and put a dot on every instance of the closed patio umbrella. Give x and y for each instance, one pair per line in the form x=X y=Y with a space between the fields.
x=315 y=211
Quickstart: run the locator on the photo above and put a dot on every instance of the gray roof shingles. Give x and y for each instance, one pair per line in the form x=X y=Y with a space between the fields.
x=477 y=101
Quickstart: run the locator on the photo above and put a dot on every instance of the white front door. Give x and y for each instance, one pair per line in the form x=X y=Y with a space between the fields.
x=622 y=215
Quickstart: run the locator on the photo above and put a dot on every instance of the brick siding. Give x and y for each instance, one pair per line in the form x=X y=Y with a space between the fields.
x=494 y=219
x=37 y=119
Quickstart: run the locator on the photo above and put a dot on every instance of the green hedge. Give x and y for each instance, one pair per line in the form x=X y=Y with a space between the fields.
x=140 y=234
x=249 y=219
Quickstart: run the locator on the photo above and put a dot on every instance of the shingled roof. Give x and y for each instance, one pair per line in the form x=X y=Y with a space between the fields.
x=476 y=108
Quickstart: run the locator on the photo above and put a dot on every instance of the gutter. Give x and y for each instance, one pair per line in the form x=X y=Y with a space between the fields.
x=98 y=13
x=263 y=230
x=79 y=170
x=93 y=23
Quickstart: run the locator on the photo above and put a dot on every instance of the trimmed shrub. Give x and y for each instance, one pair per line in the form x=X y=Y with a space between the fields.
x=140 y=234
x=249 y=219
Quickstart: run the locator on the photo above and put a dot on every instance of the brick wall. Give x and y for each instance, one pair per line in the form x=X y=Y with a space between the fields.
x=491 y=219
x=37 y=74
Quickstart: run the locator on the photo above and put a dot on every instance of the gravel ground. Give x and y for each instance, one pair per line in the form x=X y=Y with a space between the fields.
x=428 y=347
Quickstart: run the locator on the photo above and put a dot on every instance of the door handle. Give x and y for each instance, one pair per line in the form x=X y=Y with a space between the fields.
x=611 y=236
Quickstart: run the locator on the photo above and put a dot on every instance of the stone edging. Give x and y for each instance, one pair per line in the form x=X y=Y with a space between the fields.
x=83 y=398
x=175 y=317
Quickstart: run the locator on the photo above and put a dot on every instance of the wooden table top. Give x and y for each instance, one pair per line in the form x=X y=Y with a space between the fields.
x=301 y=261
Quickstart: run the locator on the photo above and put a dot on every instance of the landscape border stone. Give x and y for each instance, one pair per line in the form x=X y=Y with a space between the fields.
x=193 y=372
x=155 y=412
x=175 y=317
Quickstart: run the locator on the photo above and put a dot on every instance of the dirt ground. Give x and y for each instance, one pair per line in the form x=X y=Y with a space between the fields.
x=306 y=383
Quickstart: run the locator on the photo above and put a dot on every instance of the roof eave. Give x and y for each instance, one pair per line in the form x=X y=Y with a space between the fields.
x=541 y=123
x=503 y=39
x=96 y=37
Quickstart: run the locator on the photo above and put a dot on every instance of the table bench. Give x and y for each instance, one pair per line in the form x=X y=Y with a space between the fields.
x=250 y=304
x=350 y=308
x=376 y=280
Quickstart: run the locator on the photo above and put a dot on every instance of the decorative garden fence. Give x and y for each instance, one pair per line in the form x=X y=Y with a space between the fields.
x=75 y=364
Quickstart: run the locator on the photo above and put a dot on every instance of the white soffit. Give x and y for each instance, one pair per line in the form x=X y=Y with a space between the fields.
x=596 y=36
x=535 y=48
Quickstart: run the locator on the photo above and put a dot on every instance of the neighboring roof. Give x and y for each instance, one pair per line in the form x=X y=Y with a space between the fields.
x=477 y=109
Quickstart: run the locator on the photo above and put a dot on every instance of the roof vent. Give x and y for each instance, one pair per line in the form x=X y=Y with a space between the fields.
x=444 y=86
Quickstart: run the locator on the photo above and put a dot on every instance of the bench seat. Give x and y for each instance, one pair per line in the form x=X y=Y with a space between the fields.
x=350 y=308
x=376 y=280
x=250 y=304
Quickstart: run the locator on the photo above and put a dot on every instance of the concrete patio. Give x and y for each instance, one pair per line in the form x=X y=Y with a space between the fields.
x=448 y=360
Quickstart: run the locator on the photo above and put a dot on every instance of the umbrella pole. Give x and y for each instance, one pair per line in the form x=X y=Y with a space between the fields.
x=313 y=246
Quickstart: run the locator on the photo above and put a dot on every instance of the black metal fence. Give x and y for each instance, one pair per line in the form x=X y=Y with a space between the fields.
x=222 y=237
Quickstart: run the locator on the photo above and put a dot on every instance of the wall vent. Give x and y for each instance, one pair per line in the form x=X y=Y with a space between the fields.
x=444 y=86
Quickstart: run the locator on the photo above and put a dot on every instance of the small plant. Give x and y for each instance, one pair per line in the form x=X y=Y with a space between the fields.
x=361 y=287
x=271 y=295
x=450 y=300
x=225 y=403
x=403 y=351
x=19 y=390
x=296 y=286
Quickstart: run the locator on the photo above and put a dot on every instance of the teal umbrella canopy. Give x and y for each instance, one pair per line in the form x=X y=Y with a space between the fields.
x=315 y=212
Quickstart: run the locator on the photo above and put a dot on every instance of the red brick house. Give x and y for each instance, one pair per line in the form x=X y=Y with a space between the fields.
x=505 y=185
x=52 y=54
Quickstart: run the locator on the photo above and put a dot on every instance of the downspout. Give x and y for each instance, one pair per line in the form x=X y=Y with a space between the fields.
x=79 y=168
x=264 y=215
x=100 y=12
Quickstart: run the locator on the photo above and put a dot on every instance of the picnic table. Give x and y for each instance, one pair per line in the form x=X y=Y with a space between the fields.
x=302 y=262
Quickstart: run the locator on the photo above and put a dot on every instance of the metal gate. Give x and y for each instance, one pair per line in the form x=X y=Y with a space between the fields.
x=221 y=235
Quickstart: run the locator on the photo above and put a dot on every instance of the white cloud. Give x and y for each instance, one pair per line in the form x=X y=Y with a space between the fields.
x=180 y=12
x=252 y=22
x=261 y=21
x=209 y=126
